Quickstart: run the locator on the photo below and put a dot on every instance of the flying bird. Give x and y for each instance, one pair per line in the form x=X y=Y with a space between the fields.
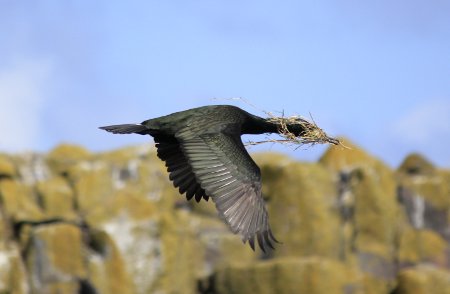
x=205 y=157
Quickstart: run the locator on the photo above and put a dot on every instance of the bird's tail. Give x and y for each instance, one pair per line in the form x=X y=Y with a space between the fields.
x=127 y=129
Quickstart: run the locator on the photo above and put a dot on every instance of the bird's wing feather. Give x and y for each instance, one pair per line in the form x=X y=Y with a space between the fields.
x=231 y=178
x=126 y=129
x=180 y=172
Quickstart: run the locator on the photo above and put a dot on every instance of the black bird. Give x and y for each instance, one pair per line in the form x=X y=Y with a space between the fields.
x=205 y=157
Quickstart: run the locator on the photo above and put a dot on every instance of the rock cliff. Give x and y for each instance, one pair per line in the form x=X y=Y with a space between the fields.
x=76 y=222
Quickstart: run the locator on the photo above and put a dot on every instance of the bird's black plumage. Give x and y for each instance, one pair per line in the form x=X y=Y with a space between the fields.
x=205 y=157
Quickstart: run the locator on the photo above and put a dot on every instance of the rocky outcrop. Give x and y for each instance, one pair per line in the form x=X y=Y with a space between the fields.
x=72 y=221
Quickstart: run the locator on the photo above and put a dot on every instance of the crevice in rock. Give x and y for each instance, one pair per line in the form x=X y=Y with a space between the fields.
x=97 y=241
x=6 y=177
x=86 y=287
x=396 y=290
x=18 y=226
x=71 y=184
x=345 y=197
x=207 y=285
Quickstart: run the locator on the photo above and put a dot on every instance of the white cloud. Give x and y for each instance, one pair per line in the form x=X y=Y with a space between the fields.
x=425 y=123
x=23 y=91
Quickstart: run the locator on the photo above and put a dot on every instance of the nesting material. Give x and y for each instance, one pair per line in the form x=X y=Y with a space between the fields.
x=311 y=136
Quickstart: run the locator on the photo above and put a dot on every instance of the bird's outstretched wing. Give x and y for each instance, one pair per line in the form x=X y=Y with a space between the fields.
x=180 y=172
x=225 y=170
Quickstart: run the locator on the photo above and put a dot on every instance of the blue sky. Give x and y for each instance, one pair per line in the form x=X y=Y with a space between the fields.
x=377 y=72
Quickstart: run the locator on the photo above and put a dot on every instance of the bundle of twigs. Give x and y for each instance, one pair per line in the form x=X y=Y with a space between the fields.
x=311 y=136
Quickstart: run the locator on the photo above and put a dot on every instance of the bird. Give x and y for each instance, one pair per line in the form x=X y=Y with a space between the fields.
x=206 y=158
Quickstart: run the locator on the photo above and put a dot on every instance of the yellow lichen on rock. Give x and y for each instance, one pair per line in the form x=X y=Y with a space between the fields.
x=18 y=201
x=56 y=198
x=422 y=246
x=311 y=275
x=376 y=211
x=106 y=266
x=55 y=258
x=62 y=287
x=420 y=176
x=114 y=223
x=181 y=255
x=340 y=158
x=13 y=276
x=423 y=280
x=93 y=190
x=65 y=157
x=415 y=165
x=7 y=168
x=60 y=248
x=303 y=195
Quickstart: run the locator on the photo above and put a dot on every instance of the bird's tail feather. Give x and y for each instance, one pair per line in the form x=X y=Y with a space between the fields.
x=126 y=129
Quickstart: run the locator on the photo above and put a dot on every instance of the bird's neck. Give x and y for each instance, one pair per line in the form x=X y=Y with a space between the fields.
x=259 y=125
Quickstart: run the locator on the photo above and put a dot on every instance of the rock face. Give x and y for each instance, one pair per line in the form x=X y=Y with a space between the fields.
x=76 y=222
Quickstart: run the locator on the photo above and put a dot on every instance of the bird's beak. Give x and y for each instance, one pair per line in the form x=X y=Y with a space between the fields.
x=333 y=141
